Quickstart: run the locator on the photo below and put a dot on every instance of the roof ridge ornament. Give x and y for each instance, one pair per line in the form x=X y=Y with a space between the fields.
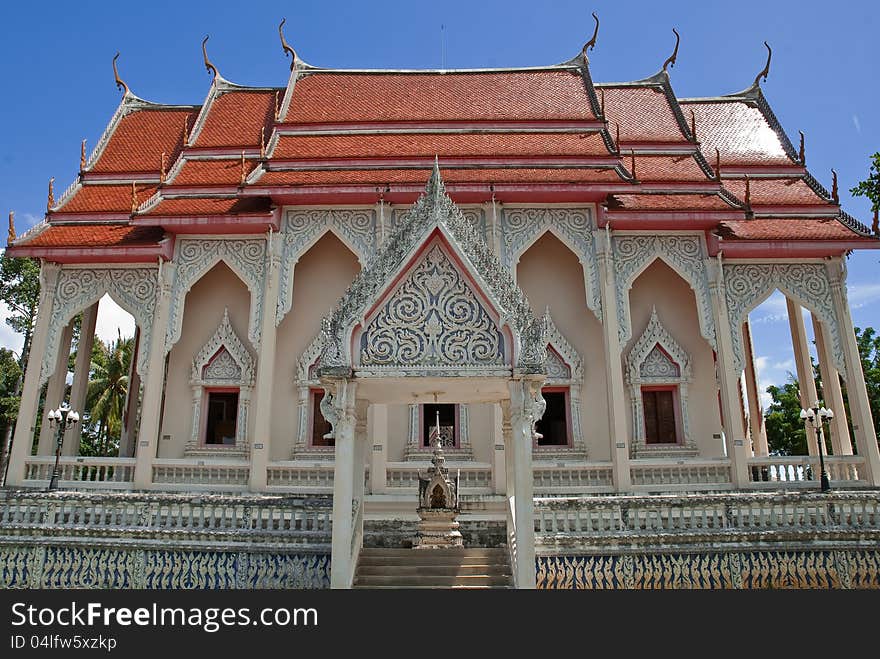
x=802 y=153
x=120 y=83
x=592 y=42
x=208 y=65
x=82 y=156
x=134 y=198
x=835 y=196
x=670 y=61
x=286 y=46
x=766 y=70
x=10 y=236
x=717 y=164
x=50 y=201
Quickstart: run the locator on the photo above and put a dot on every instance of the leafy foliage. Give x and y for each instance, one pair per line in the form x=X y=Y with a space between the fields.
x=870 y=187
x=105 y=401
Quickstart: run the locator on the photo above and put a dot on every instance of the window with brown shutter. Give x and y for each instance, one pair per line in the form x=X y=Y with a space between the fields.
x=659 y=405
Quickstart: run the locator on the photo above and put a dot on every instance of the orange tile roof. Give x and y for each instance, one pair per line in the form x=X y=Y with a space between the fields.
x=139 y=139
x=95 y=235
x=668 y=202
x=787 y=229
x=212 y=172
x=235 y=119
x=206 y=206
x=419 y=176
x=776 y=192
x=509 y=95
x=105 y=198
x=644 y=114
x=666 y=168
x=739 y=131
x=440 y=144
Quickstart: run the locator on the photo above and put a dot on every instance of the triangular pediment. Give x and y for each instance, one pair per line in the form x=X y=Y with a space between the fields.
x=434 y=254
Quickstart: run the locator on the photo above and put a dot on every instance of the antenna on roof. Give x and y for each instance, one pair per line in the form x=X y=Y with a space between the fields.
x=286 y=46
x=670 y=61
x=766 y=70
x=592 y=42
x=208 y=66
x=120 y=83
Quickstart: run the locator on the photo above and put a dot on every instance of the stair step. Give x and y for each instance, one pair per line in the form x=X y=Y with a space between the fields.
x=433 y=570
x=478 y=552
x=431 y=581
x=428 y=561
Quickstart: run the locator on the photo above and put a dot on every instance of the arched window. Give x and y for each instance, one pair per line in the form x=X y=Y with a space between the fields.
x=658 y=372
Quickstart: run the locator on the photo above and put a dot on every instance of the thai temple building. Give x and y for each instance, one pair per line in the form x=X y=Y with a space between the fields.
x=544 y=277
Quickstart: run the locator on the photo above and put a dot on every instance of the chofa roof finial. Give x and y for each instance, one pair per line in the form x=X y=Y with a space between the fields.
x=208 y=65
x=120 y=83
x=748 y=198
x=694 y=126
x=632 y=163
x=766 y=70
x=835 y=195
x=286 y=46
x=51 y=199
x=82 y=156
x=670 y=61
x=134 y=198
x=717 y=164
x=10 y=237
x=802 y=152
x=592 y=42
x=162 y=173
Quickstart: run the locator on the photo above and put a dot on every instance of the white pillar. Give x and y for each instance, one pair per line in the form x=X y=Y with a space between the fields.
x=728 y=379
x=129 y=416
x=526 y=408
x=804 y=365
x=151 y=406
x=81 y=368
x=377 y=421
x=338 y=407
x=22 y=441
x=55 y=390
x=499 y=473
x=619 y=435
x=261 y=443
x=756 y=412
x=832 y=393
x=859 y=405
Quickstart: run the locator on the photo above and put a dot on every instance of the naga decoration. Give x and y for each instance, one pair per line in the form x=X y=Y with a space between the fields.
x=288 y=51
x=209 y=67
x=670 y=61
x=766 y=70
x=120 y=83
x=592 y=42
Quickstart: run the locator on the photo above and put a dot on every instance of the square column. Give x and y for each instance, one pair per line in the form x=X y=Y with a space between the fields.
x=55 y=391
x=728 y=379
x=859 y=405
x=22 y=441
x=154 y=382
x=261 y=443
x=132 y=396
x=806 y=383
x=377 y=422
x=81 y=368
x=526 y=409
x=832 y=393
x=613 y=364
x=756 y=413
x=499 y=469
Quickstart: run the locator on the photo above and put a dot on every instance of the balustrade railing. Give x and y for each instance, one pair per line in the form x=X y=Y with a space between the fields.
x=81 y=472
x=474 y=477
x=178 y=515
x=169 y=474
x=572 y=478
x=613 y=517
x=667 y=475
x=293 y=476
x=802 y=471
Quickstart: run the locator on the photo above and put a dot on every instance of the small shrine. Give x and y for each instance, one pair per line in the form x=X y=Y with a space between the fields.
x=438 y=501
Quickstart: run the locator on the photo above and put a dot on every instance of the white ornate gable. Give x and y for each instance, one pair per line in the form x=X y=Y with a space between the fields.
x=433 y=319
x=223 y=359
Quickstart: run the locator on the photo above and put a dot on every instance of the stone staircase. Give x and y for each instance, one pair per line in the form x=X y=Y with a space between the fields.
x=474 y=567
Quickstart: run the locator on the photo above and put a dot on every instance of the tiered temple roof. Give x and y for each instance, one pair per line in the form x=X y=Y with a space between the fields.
x=722 y=165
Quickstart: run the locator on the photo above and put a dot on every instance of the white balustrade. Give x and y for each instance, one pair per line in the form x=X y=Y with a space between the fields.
x=671 y=475
x=219 y=475
x=474 y=477
x=803 y=471
x=572 y=478
x=81 y=472
x=299 y=476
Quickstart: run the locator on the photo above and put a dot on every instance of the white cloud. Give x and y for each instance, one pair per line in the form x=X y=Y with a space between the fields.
x=861 y=295
x=8 y=338
x=771 y=310
x=857 y=123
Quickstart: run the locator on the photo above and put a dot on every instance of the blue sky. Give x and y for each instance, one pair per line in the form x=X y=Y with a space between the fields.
x=58 y=83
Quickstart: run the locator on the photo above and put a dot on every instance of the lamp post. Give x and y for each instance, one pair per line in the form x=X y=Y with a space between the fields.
x=64 y=418
x=816 y=416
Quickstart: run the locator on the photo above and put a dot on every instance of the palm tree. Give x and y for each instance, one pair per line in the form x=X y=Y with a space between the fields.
x=108 y=386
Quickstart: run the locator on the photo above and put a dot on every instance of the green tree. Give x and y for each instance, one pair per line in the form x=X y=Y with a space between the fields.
x=785 y=430
x=108 y=386
x=870 y=187
x=10 y=372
